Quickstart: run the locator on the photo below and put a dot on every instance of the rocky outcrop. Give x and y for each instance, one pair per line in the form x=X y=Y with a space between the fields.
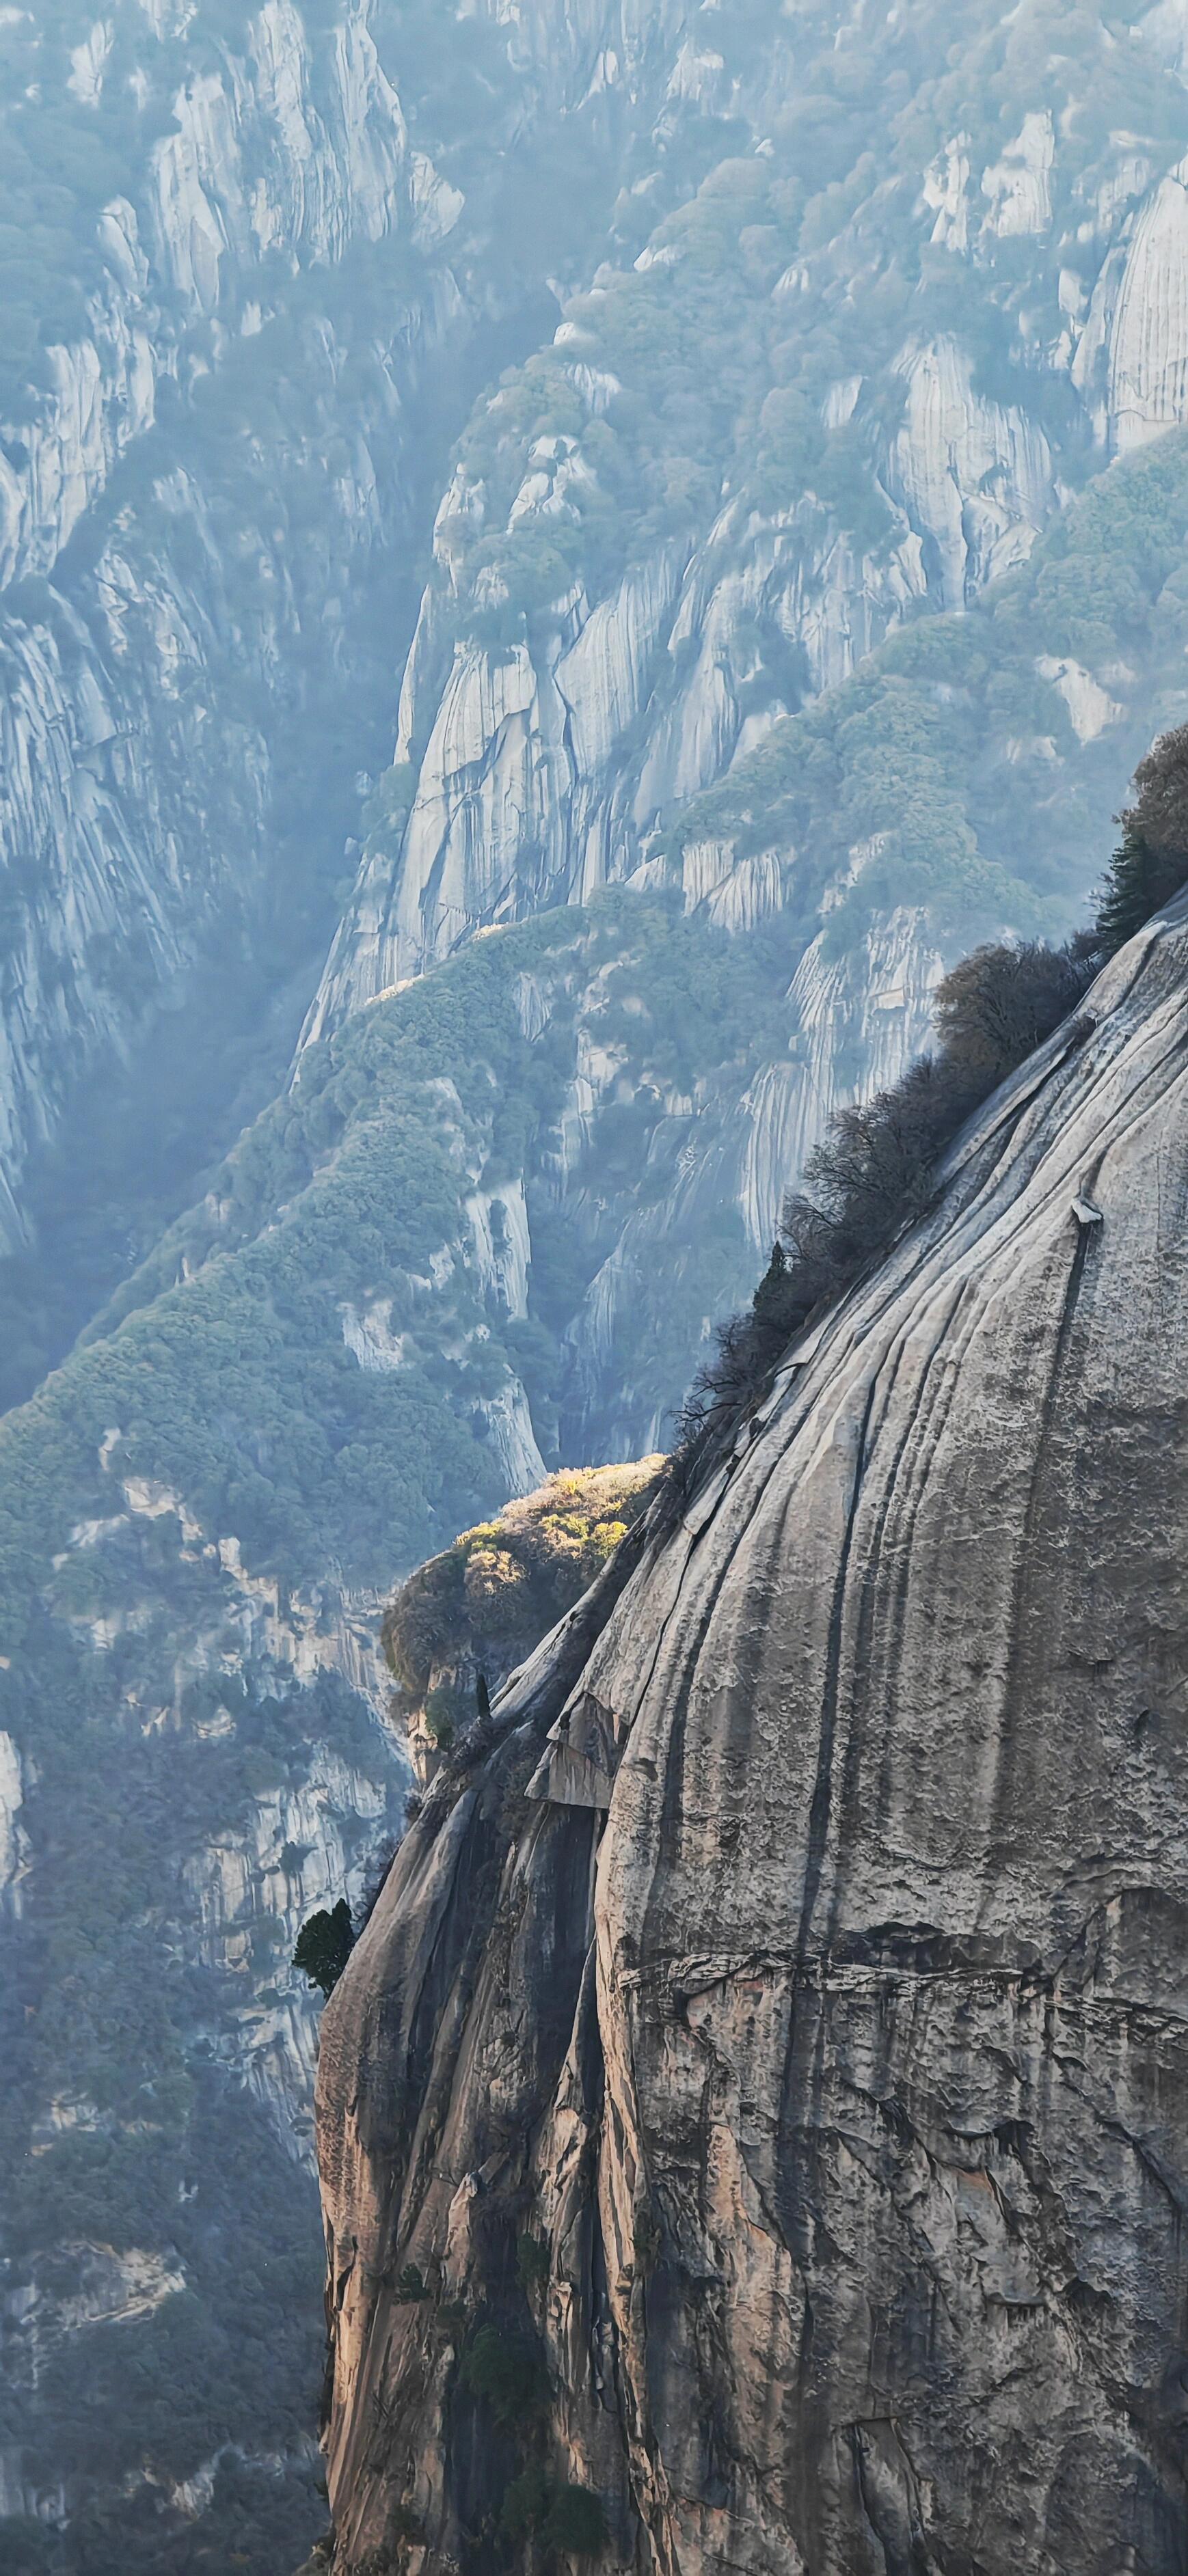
x=976 y=478
x=544 y=772
x=455 y=1630
x=1148 y=351
x=720 y=1164
x=14 y=1842
x=796 y=1968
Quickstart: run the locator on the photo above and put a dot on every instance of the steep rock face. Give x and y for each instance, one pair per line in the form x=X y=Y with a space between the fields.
x=799 y=1962
x=720 y=1161
x=118 y=650
x=593 y=45
x=548 y=768
x=1148 y=347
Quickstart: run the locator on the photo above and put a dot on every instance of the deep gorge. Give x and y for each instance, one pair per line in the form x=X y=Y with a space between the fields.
x=560 y=566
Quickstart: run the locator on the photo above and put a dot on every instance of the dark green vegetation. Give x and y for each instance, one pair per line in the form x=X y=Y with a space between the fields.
x=324 y=1945
x=502 y=2370
x=1151 y=861
x=564 y=2521
x=875 y=1169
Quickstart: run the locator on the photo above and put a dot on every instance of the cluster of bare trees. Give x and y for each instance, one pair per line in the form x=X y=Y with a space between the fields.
x=875 y=1168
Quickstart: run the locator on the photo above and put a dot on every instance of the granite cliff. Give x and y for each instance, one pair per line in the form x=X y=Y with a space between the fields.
x=752 y=2125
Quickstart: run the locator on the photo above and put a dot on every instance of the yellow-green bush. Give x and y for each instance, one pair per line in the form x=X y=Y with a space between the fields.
x=504 y=1582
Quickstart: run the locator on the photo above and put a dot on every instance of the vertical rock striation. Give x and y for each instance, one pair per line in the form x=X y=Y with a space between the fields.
x=799 y=1962
x=159 y=597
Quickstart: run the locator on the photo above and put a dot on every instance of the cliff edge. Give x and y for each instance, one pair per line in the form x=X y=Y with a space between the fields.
x=754 y=2125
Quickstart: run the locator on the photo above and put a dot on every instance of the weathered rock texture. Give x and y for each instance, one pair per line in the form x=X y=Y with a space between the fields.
x=802 y=1963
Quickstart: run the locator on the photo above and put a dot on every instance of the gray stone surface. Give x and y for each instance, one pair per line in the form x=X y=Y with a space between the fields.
x=836 y=2045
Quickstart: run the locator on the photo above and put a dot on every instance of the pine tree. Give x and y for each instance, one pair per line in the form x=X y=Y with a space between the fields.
x=1140 y=880
x=324 y=1945
x=1150 y=863
x=769 y=1297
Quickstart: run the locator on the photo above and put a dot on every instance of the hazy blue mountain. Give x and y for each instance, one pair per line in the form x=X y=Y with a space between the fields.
x=659 y=525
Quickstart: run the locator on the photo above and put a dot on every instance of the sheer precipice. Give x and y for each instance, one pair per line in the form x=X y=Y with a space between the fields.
x=759 y=2100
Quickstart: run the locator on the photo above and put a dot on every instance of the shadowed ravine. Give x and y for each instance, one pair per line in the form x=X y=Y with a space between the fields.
x=800 y=1976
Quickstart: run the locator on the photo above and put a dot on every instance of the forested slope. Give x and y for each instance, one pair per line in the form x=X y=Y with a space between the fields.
x=246 y=309
x=199 y=1514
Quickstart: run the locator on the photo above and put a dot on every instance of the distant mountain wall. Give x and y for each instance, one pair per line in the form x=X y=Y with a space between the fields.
x=934 y=282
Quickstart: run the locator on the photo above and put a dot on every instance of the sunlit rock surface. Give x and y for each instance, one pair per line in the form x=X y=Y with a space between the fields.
x=802 y=1963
